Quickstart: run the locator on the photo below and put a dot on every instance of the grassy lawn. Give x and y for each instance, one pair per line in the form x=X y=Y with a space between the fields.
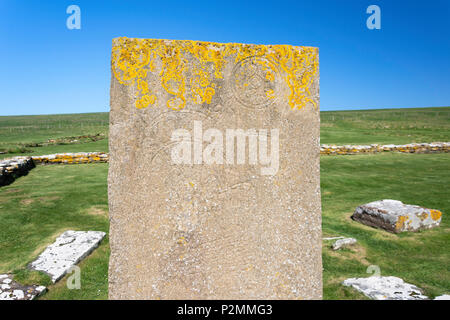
x=18 y=134
x=420 y=258
x=38 y=207
x=397 y=126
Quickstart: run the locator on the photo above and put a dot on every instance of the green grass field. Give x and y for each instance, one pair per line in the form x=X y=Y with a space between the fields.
x=18 y=134
x=36 y=208
x=398 y=126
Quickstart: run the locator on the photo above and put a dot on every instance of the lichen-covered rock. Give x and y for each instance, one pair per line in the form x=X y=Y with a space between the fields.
x=68 y=249
x=385 y=288
x=433 y=147
x=395 y=216
x=10 y=169
x=72 y=158
x=11 y=290
x=341 y=243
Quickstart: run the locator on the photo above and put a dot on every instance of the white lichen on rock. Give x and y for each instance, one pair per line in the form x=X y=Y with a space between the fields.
x=443 y=297
x=12 y=290
x=395 y=216
x=343 y=243
x=385 y=288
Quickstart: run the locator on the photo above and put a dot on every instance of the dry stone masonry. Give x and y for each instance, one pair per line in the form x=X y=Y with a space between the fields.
x=434 y=147
x=395 y=216
x=197 y=212
x=68 y=249
x=72 y=158
x=10 y=169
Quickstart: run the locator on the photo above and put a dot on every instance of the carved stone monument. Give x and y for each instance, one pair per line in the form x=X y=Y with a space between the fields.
x=214 y=171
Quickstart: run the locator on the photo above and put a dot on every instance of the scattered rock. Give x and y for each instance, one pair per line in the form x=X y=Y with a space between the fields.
x=443 y=297
x=11 y=290
x=385 y=288
x=68 y=249
x=343 y=243
x=394 y=216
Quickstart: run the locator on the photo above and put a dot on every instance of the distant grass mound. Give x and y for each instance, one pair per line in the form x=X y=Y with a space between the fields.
x=396 y=126
x=45 y=134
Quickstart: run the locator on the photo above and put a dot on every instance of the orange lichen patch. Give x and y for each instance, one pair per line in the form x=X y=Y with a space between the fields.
x=400 y=222
x=422 y=148
x=435 y=214
x=72 y=158
x=132 y=59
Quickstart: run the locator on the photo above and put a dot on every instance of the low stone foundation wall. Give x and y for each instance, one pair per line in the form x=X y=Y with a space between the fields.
x=10 y=169
x=72 y=158
x=15 y=167
x=433 y=147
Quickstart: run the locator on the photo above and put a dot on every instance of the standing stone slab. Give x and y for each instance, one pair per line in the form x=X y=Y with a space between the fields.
x=244 y=225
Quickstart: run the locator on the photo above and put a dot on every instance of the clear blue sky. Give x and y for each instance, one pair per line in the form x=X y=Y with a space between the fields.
x=46 y=68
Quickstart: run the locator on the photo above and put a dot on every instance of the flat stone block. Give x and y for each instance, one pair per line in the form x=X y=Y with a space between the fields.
x=68 y=249
x=385 y=288
x=341 y=243
x=395 y=216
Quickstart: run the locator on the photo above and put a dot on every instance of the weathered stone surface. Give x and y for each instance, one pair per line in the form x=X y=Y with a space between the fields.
x=68 y=249
x=10 y=169
x=394 y=216
x=11 y=290
x=385 y=288
x=231 y=228
x=341 y=243
x=443 y=297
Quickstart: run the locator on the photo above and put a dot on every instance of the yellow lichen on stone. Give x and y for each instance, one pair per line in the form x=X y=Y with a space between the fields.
x=435 y=214
x=133 y=59
x=400 y=222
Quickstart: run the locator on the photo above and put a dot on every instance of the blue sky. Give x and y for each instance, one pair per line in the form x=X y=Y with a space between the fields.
x=47 y=68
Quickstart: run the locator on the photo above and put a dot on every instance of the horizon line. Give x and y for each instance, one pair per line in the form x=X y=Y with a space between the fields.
x=332 y=110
